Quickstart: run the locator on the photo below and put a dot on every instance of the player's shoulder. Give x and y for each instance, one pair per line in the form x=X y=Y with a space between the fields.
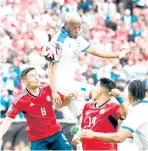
x=19 y=97
x=60 y=36
x=45 y=86
x=89 y=104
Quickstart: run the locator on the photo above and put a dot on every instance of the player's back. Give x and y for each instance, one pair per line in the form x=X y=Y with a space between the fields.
x=102 y=119
x=38 y=111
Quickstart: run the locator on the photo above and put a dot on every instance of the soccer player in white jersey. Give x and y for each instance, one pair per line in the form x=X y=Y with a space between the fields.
x=136 y=122
x=62 y=73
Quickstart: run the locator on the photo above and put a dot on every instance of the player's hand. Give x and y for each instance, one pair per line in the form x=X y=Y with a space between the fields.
x=124 y=52
x=87 y=134
x=73 y=95
x=75 y=140
x=56 y=99
x=115 y=93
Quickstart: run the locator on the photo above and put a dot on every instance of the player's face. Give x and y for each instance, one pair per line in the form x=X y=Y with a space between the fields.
x=74 y=29
x=32 y=80
x=97 y=91
x=130 y=98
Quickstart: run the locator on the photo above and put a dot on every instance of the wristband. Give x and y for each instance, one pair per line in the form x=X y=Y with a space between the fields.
x=120 y=100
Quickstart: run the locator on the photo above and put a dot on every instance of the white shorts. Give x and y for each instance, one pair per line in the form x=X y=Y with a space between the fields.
x=81 y=88
x=71 y=86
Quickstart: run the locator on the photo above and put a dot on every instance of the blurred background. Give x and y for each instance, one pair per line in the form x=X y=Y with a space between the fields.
x=109 y=25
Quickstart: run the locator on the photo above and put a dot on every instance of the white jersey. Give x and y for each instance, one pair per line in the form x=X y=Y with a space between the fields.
x=69 y=61
x=137 y=122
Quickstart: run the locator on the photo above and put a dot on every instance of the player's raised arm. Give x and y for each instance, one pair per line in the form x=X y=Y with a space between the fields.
x=123 y=53
x=52 y=52
x=117 y=94
x=52 y=80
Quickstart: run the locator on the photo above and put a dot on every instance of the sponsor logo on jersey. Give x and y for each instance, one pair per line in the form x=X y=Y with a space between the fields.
x=31 y=104
x=48 y=98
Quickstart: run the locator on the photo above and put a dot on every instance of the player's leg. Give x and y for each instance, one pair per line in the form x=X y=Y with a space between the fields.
x=60 y=142
x=39 y=145
x=83 y=90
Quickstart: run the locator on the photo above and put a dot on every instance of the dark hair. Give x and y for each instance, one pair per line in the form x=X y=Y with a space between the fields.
x=25 y=71
x=137 y=89
x=107 y=83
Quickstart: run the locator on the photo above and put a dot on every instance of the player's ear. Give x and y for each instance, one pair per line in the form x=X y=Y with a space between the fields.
x=24 y=81
x=101 y=91
x=66 y=26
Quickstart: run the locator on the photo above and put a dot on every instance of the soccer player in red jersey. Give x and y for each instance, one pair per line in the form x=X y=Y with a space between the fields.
x=102 y=115
x=35 y=102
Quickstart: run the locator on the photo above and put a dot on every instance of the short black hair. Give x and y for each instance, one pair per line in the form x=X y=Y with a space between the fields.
x=25 y=71
x=137 y=89
x=107 y=83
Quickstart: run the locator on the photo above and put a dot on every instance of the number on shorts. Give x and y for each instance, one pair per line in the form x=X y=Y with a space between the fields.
x=43 y=111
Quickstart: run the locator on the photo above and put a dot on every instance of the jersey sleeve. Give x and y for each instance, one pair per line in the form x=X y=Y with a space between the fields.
x=132 y=121
x=83 y=115
x=13 y=111
x=84 y=45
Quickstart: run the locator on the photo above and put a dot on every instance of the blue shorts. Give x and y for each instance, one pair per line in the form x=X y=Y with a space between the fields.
x=57 y=141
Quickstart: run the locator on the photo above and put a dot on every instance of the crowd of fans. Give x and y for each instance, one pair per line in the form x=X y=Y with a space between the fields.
x=109 y=25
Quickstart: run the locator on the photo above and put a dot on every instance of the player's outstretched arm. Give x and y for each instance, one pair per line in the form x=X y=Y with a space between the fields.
x=5 y=126
x=117 y=137
x=123 y=53
x=52 y=81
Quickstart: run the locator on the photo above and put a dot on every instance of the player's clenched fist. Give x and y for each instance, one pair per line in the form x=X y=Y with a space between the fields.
x=115 y=93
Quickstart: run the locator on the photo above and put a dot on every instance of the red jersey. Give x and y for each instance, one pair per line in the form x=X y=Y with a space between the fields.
x=102 y=119
x=38 y=111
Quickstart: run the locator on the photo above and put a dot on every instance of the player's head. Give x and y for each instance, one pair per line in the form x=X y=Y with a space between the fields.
x=136 y=91
x=103 y=87
x=73 y=24
x=30 y=78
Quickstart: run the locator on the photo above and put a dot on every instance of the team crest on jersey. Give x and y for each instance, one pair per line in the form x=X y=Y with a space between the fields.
x=102 y=111
x=48 y=98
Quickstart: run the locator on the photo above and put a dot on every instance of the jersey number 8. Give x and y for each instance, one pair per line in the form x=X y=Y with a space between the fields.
x=43 y=111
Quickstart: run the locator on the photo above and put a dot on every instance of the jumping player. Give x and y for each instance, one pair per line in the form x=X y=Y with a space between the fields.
x=62 y=74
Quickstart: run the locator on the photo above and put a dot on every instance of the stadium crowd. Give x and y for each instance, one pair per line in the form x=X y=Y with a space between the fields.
x=109 y=25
